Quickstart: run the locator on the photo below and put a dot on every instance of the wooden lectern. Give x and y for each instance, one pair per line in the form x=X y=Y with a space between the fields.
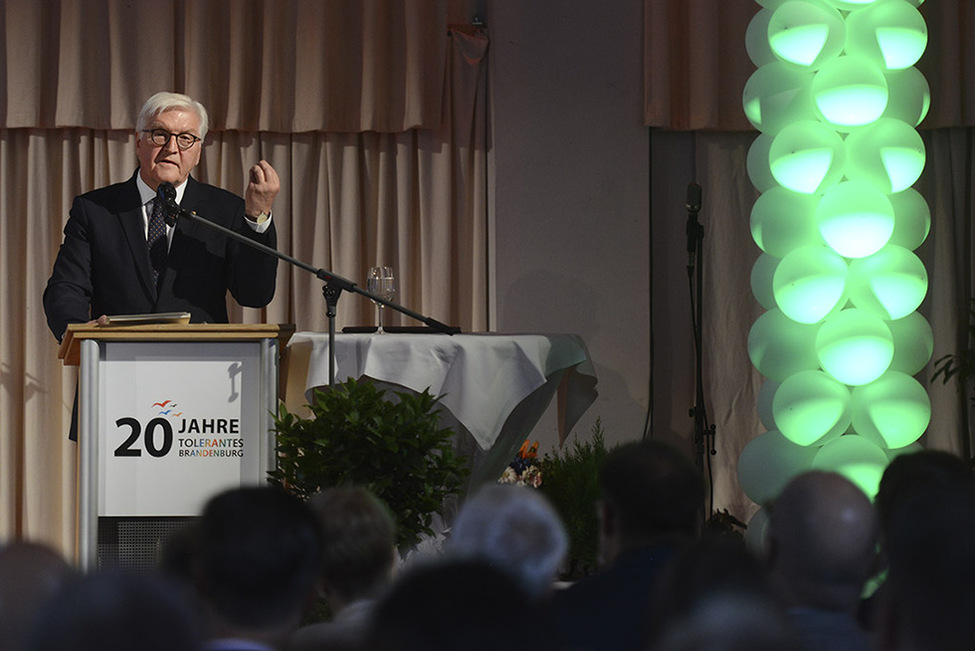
x=168 y=416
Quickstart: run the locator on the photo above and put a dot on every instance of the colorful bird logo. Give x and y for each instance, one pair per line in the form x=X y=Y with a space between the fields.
x=166 y=408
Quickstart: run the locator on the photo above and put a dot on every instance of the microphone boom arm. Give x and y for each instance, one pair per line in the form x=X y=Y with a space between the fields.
x=334 y=280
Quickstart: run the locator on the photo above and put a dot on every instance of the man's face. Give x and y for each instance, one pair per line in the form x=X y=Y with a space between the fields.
x=159 y=163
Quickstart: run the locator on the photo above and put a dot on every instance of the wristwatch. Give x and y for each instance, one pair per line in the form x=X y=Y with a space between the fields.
x=260 y=218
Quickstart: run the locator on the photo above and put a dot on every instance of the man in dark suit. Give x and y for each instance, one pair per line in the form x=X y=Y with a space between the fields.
x=651 y=505
x=119 y=257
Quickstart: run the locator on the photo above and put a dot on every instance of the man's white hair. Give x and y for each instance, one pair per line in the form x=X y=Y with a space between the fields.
x=165 y=101
x=517 y=530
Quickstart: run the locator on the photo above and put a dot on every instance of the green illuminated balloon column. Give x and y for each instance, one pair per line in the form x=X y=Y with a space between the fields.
x=837 y=100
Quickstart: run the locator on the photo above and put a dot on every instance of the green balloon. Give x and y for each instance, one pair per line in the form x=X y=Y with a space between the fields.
x=856 y=458
x=893 y=411
x=854 y=346
x=811 y=408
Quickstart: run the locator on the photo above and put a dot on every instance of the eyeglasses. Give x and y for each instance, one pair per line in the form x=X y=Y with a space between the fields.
x=160 y=138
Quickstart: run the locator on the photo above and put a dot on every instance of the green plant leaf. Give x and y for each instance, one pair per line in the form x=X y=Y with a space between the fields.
x=355 y=436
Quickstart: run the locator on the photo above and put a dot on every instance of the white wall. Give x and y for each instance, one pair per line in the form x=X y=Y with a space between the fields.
x=572 y=198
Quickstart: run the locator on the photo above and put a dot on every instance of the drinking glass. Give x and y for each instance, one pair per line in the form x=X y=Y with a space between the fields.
x=382 y=283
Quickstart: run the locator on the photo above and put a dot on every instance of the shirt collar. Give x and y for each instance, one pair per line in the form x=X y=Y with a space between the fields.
x=148 y=194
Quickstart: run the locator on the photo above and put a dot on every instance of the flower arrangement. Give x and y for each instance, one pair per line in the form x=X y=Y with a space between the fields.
x=524 y=469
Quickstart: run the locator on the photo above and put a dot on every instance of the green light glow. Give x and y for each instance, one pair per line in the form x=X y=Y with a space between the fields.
x=910 y=96
x=783 y=220
x=757 y=163
x=855 y=219
x=892 y=34
x=893 y=411
x=888 y=154
x=776 y=95
x=756 y=39
x=849 y=92
x=779 y=347
x=803 y=171
x=837 y=100
x=912 y=219
x=852 y=105
x=904 y=166
x=811 y=408
x=806 y=34
x=769 y=462
x=856 y=458
x=890 y=284
x=807 y=157
x=849 y=4
x=854 y=346
x=913 y=343
x=809 y=283
x=764 y=403
x=761 y=280
x=901 y=46
x=800 y=45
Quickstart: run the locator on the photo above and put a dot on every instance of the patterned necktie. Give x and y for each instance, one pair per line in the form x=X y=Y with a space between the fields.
x=158 y=243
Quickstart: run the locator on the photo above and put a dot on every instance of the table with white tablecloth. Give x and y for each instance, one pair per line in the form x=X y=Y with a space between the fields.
x=494 y=388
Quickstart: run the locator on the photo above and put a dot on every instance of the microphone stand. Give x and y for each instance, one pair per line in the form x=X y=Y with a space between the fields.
x=334 y=284
x=703 y=432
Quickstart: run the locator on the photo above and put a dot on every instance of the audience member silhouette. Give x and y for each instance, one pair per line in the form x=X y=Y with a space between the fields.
x=358 y=559
x=928 y=510
x=515 y=529
x=30 y=575
x=906 y=473
x=715 y=595
x=257 y=561
x=457 y=605
x=114 y=611
x=909 y=472
x=651 y=503
x=821 y=545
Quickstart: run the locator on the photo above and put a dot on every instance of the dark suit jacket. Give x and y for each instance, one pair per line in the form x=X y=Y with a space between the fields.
x=103 y=265
x=608 y=611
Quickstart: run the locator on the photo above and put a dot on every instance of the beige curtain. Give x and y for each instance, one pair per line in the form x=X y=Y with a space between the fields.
x=258 y=65
x=378 y=135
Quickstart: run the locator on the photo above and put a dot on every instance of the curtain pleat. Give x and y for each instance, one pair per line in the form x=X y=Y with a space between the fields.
x=258 y=65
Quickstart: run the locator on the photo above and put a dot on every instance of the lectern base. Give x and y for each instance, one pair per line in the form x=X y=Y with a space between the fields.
x=135 y=544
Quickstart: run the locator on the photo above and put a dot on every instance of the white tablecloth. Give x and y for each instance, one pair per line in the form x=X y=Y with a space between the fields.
x=495 y=386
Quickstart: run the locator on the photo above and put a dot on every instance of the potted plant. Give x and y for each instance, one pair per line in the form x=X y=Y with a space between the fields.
x=356 y=436
x=960 y=366
x=570 y=480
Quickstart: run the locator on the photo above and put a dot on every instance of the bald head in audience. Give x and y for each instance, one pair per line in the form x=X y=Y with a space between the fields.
x=30 y=574
x=822 y=536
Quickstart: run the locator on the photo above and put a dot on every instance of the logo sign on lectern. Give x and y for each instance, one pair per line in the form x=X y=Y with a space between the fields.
x=178 y=429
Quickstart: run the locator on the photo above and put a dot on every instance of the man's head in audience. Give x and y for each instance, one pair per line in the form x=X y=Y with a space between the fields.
x=358 y=544
x=257 y=561
x=821 y=542
x=515 y=529
x=113 y=611
x=30 y=574
x=457 y=605
x=651 y=494
x=929 y=539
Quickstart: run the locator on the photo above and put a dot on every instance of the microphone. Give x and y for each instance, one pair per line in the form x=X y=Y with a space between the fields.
x=166 y=194
x=693 y=229
x=693 y=197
